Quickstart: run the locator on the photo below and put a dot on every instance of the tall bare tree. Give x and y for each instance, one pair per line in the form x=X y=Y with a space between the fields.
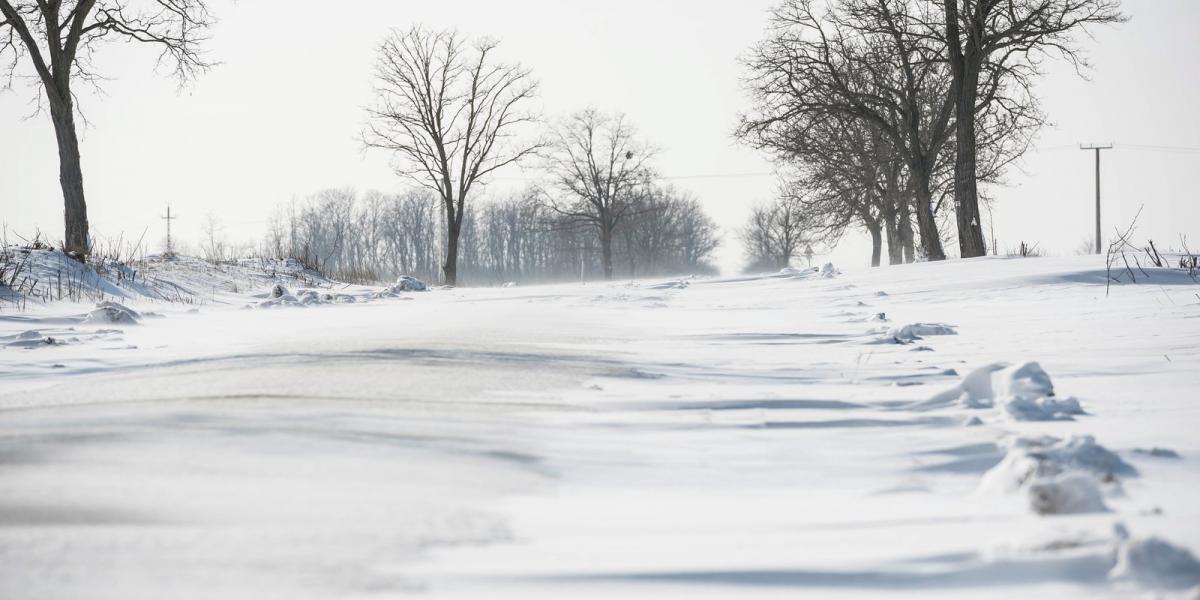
x=599 y=163
x=450 y=114
x=858 y=59
x=57 y=38
x=994 y=46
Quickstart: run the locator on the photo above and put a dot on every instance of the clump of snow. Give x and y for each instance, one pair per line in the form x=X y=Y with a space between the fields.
x=1069 y=494
x=1024 y=391
x=915 y=331
x=31 y=334
x=828 y=271
x=410 y=284
x=1154 y=562
x=509 y=284
x=112 y=312
x=1058 y=476
x=278 y=291
x=404 y=284
x=1046 y=408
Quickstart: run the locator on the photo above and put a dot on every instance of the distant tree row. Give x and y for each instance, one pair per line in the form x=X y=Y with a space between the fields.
x=373 y=236
x=450 y=114
x=887 y=115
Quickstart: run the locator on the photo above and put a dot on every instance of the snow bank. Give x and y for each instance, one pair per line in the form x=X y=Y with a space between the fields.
x=1025 y=392
x=112 y=313
x=1058 y=476
x=826 y=271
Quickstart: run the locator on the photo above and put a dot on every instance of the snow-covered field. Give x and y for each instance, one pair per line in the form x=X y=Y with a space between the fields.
x=806 y=434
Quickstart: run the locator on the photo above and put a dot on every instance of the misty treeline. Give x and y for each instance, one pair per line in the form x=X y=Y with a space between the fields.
x=371 y=236
x=887 y=116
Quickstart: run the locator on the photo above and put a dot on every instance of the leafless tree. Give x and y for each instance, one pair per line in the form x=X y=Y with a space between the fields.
x=57 y=38
x=450 y=114
x=598 y=164
x=994 y=47
x=857 y=59
x=776 y=232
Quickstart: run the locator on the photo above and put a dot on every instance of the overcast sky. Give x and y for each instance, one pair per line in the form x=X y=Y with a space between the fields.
x=279 y=118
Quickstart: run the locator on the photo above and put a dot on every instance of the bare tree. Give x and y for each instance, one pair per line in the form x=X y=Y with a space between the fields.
x=449 y=113
x=775 y=232
x=599 y=164
x=994 y=46
x=57 y=38
x=857 y=59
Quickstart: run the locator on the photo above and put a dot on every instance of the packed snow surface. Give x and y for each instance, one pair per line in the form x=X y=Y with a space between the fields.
x=254 y=430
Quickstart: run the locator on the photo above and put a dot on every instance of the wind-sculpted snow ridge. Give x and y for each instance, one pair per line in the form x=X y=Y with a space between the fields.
x=1024 y=391
x=113 y=313
x=912 y=332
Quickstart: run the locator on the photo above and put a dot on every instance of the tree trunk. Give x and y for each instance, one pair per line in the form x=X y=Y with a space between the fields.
x=891 y=227
x=931 y=241
x=904 y=225
x=606 y=250
x=876 y=242
x=450 y=269
x=70 y=176
x=966 y=192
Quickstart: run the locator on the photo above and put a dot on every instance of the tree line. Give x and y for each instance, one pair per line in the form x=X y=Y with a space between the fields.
x=372 y=236
x=889 y=115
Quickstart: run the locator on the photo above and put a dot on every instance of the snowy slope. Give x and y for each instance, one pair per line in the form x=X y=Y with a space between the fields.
x=814 y=434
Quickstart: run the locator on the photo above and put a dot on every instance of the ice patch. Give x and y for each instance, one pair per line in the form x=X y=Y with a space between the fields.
x=111 y=312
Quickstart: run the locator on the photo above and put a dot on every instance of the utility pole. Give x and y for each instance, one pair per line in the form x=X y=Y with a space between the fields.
x=168 y=219
x=1097 y=148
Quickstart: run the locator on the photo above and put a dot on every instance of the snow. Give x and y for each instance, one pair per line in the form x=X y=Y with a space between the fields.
x=732 y=437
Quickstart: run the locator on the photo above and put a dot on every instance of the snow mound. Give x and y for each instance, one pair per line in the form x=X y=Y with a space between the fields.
x=402 y=285
x=1024 y=391
x=915 y=331
x=1154 y=562
x=1058 y=476
x=112 y=312
x=828 y=271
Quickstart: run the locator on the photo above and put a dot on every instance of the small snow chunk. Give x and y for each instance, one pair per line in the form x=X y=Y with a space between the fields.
x=828 y=271
x=279 y=291
x=111 y=312
x=509 y=284
x=879 y=318
x=973 y=421
x=881 y=294
x=1157 y=452
x=31 y=334
x=669 y=285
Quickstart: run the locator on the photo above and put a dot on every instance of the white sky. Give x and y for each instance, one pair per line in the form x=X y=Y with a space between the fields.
x=280 y=117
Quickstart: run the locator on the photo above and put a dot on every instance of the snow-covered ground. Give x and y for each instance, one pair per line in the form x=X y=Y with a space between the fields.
x=984 y=428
